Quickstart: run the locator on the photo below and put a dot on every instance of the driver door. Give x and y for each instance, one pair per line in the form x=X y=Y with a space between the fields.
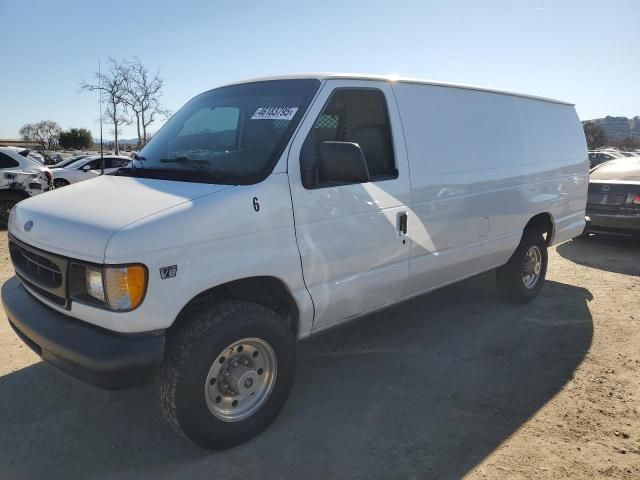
x=89 y=170
x=352 y=238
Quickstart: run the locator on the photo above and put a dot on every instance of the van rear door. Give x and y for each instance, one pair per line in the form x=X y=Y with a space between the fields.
x=352 y=236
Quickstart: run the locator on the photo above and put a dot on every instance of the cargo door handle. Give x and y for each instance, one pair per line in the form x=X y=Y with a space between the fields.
x=402 y=223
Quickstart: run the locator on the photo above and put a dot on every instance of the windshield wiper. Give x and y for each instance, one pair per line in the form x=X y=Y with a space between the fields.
x=201 y=165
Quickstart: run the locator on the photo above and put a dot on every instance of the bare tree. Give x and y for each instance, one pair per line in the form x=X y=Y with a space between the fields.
x=131 y=96
x=44 y=133
x=112 y=83
x=143 y=90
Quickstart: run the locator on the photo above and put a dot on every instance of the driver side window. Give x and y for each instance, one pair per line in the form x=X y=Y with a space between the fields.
x=351 y=115
x=94 y=165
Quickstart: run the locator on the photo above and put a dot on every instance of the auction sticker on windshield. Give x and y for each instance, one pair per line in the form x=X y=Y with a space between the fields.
x=274 y=113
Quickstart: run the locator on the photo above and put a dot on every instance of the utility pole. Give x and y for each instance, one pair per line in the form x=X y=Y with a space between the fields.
x=101 y=149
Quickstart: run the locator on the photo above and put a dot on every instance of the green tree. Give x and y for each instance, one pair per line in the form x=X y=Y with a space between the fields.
x=594 y=134
x=75 y=139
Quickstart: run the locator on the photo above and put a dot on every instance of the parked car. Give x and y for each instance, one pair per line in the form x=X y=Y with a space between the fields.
x=269 y=210
x=86 y=168
x=613 y=204
x=68 y=161
x=20 y=177
x=598 y=157
x=25 y=152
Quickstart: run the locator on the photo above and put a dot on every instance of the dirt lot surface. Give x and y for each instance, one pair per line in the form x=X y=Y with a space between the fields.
x=452 y=384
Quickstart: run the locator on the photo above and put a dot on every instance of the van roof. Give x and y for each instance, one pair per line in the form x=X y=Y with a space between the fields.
x=395 y=79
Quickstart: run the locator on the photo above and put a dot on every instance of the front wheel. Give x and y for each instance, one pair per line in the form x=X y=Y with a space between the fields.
x=521 y=278
x=60 y=182
x=227 y=373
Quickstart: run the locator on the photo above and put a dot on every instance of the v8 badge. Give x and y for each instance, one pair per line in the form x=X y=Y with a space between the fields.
x=168 y=272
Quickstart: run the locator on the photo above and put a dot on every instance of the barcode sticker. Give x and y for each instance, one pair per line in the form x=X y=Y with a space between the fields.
x=274 y=113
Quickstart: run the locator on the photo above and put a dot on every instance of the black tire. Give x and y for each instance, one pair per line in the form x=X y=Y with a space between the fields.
x=60 y=182
x=510 y=276
x=191 y=351
x=7 y=202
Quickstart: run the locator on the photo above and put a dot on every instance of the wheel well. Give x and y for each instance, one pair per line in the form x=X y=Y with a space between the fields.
x=543 y=223
x=269 y=292
x=14 y=193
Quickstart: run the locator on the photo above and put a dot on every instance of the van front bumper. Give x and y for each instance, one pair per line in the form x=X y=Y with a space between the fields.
x=94 y=355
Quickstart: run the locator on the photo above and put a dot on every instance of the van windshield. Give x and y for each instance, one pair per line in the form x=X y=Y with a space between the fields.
x=232 y=135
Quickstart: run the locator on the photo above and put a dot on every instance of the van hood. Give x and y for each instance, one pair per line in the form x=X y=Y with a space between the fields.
x=78 y=220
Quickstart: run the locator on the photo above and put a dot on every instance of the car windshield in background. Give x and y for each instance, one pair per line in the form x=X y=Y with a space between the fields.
x=69 y=161
x=231 y=135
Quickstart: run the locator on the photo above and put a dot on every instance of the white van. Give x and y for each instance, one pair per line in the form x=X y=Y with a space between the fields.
x=268 y=210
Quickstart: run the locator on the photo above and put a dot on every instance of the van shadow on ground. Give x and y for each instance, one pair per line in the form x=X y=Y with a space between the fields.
x=605 y=252
x=426 y=389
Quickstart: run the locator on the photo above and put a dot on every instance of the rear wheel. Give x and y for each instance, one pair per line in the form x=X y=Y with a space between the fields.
x=7 y=202
x=521 y=278
x=227 y=373
x=60 y=182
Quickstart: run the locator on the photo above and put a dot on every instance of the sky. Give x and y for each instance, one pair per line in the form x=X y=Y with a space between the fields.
x=582 y=51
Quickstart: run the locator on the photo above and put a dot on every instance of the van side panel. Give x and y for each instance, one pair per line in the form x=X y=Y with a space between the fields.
x=482 y=164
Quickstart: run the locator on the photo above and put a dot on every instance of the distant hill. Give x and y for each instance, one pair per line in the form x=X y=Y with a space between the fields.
x=133 y=141
x=619 y=128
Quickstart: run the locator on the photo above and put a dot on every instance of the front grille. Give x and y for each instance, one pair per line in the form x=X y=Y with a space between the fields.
x=43 y=272
x=37 y=268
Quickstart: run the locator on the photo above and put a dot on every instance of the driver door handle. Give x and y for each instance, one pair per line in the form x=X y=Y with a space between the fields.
x=402 y=223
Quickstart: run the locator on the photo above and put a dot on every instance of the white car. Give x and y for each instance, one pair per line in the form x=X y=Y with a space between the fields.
x=269 y=210
x=87 y=168
x=25 y=152
x=20 y=177
x=68 y=161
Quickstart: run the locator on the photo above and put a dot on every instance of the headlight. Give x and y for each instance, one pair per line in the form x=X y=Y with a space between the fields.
x=119 y=288
x=94 y=286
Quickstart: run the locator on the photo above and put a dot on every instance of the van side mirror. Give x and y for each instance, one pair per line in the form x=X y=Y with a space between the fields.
x=343 y=162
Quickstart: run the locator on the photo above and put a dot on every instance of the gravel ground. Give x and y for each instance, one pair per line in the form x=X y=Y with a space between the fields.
x=456 y=383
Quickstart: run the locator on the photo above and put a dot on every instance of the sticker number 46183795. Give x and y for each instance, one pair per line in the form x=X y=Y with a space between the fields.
x=274 y=113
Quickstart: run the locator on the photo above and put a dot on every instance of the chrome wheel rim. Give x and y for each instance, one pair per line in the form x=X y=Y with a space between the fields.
x=532 y=267
x=240 y=379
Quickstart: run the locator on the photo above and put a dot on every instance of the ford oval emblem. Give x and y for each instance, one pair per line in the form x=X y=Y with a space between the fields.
x=605 y=188
x=28 y=226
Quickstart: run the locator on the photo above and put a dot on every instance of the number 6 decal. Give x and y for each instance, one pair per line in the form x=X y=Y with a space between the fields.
x=256 y=205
